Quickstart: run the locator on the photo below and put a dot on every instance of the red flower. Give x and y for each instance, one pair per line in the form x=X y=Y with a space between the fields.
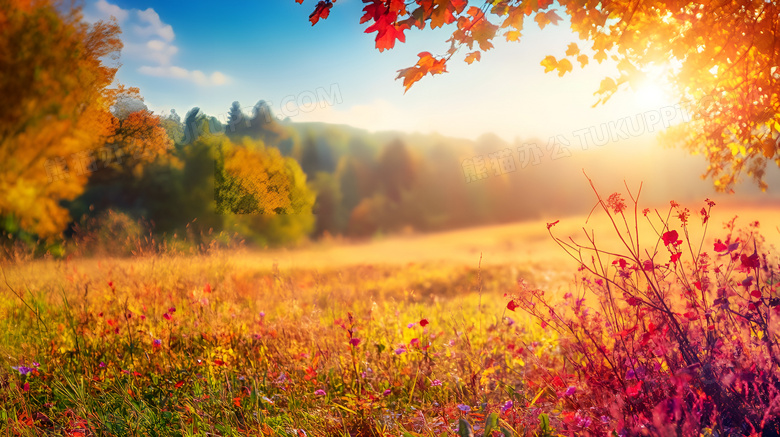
x=671 y=237
x=354 y=341
x=750 y=262
x=633 y=390
x=423 y=322
x=720 y=247
x=675 y=257
x=511 y=305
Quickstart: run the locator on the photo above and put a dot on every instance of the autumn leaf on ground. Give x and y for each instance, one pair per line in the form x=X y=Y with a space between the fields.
x=427 y=64
x=473 y=56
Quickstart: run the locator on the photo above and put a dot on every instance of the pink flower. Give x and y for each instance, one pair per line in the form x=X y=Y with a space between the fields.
x=166 y=316
x=570 y=391
x=436 y=382
x=387 y=392
x=320 y=392
x=354 y=341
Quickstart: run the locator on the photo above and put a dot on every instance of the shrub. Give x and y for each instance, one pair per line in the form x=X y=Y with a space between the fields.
x=663 y=336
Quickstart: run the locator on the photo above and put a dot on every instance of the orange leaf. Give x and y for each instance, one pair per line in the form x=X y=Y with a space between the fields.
x=549 y=63
x=473 y=56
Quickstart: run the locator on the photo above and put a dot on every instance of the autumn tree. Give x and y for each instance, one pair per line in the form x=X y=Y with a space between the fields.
x=55 y=108
x=722 y=58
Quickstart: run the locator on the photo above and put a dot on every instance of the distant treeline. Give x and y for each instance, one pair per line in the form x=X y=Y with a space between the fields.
x=276 y=182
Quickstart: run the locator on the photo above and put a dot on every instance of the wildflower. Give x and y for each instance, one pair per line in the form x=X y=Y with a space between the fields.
x=23 y=370
x=414 y=342
x=423 y=322
x=36 y=364
x=646 y=211
x=401 y=349
x=262 y=313
x=387 y=392
x=464 y=408
x=509 y=321
x=354 y=341
x=507 y=406
x=512 y=305
x=683 y=215
x=436 y=382
x=166 y=316
x=616 y=202
x=411 y=325
x=320 y=392
x=570 y=391
x=172 y=310
x=671 y=237
x=102 y=364
x=157 y=342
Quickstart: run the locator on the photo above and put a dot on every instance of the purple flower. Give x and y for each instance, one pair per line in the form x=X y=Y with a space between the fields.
x=464 y=408
x=157 y=342
x=320 y=392
x=36 y=364
x=436 y=382
x=584 y=422
x=102 y=364
x=23 y=370
x=630 y=374
x=411 y=325
x=387 y=392
x=508 y=405
x=509 y=321
x=570 y=391
x=400 y=350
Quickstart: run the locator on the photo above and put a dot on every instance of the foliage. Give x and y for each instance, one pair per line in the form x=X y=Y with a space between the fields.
x=664 y=336
x=721 y=57
x=55 y=105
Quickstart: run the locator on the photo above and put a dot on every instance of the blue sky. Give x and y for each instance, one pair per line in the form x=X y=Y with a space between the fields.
x=209 y=54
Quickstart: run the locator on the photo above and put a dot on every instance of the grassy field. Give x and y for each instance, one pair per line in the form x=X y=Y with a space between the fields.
x=398 y=335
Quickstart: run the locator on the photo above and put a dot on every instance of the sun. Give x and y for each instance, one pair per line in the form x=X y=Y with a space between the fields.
x=655 y=91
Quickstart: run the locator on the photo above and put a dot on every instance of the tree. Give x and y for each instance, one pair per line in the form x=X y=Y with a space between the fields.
x=55 y=108
x=397 y=170
x=723 y=58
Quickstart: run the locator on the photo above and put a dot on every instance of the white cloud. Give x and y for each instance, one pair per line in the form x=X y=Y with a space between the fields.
x=195 y=76
x=151 y=44
x=153 y=26
x=106 y=9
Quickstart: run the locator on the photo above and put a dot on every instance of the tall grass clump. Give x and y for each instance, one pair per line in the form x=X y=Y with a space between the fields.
x=669 y=333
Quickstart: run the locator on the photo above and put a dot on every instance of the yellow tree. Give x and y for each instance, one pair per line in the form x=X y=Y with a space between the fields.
x=723 y=57
x=54 y=108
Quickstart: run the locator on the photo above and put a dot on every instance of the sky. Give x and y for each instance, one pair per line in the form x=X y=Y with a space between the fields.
x=208 y=55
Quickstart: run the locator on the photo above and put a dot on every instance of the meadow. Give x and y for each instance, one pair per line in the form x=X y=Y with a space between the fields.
x=436 y=334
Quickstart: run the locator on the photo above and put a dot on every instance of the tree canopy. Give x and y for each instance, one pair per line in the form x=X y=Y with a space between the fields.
x=56 y=108
x=721 y=57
